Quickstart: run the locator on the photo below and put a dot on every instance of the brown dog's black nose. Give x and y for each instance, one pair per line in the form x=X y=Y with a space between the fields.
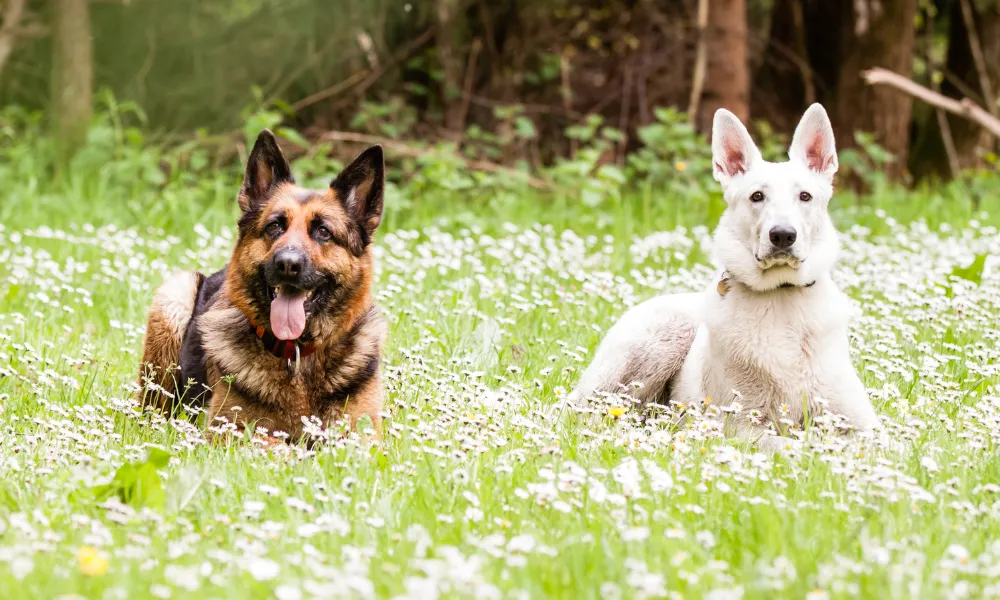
x=782 y=236
x=289 y=262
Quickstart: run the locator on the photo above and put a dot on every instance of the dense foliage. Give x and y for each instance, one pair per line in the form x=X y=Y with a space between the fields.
x=518 y=71
x=126 y=178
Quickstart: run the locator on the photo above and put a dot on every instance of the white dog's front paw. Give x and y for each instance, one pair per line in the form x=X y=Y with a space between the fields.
x=776 y=444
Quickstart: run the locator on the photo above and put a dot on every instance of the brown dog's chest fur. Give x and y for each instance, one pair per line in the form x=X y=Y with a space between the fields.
x=341 y=377
x=307 y=252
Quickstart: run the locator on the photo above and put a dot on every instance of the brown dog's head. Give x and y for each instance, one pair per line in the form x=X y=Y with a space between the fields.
x=303 y=259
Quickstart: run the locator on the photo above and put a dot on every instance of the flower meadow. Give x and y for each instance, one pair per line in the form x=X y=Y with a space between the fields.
x=488 y=484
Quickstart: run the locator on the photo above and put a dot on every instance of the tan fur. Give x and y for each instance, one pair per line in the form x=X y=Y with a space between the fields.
x=169 y=315
x=347 y=338
x=338 y=374
x=284 y=397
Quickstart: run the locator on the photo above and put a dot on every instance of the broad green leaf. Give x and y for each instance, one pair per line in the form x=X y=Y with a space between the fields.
x=973 y=272
x=137 y=484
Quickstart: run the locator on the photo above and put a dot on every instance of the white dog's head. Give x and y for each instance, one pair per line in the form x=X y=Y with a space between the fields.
x=776 y=229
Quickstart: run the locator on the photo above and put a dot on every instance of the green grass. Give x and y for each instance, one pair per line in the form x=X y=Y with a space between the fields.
x=487 y=486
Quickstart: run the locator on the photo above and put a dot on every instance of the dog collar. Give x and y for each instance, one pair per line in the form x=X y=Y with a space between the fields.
x=723 y=286
x=286 y=349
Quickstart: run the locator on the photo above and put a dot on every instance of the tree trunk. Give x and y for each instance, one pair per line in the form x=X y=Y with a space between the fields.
x=876 y=34
x=727 y=77
x=72 y=73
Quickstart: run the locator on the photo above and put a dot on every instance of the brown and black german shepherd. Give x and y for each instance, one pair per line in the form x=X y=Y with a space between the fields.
x=288 y=329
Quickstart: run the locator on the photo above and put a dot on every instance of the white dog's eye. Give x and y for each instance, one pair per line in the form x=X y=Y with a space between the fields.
x=805 y=196
x=757 y=196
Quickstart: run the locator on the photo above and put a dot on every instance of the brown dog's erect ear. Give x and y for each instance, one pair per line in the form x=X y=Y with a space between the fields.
x=360 y=187
x=266 y=168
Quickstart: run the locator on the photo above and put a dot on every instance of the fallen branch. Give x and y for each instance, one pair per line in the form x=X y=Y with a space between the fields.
x=963 y=108
x=528 y=108
x=404 y=149
x=230 y=143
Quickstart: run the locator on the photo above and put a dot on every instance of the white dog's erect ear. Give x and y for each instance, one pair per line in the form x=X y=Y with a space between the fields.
x=813 y=144
x=733 y=151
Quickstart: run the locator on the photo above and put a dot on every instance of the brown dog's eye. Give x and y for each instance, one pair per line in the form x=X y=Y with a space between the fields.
x=805 y=196
x=322 y=234
x=757 y=197
x=274 y=229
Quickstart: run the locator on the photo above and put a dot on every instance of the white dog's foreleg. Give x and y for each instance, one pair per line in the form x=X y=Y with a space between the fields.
x=849 y=399
x=852 y=403
x=638 y=357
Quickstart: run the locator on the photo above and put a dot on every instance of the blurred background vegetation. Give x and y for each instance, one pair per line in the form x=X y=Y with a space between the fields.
x=140 y=106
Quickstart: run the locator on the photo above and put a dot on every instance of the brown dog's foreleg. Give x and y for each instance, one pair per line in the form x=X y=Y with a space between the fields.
x=169 y=315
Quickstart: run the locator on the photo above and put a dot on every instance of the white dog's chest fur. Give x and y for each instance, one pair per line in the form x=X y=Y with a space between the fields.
x=770 y=352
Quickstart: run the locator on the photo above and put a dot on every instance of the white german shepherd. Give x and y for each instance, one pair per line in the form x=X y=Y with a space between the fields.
x=771 y=332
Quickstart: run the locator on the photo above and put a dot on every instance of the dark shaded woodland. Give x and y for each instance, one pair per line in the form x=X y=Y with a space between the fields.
x=447 y=69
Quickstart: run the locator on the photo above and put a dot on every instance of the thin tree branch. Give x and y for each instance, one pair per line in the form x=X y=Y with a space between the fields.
x=977 y=57
x=470 y=78
x=367 y=77
x=700 y=62
x=625 y=110
x=12 y=11
x=566 y=90
x=527 y=107
x=942 y=119
x=448 y=59
x=330 y=91
x=640 y=87
x=963 y=108
x=802 y=49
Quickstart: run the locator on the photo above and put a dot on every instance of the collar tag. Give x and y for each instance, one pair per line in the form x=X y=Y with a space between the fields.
x=723 y=286
x=293 y=367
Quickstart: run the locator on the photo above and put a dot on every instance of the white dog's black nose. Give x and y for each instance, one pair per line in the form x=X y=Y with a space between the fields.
x=782 y=236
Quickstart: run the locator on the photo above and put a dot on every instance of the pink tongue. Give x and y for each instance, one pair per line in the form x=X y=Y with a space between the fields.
x=288 y=314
